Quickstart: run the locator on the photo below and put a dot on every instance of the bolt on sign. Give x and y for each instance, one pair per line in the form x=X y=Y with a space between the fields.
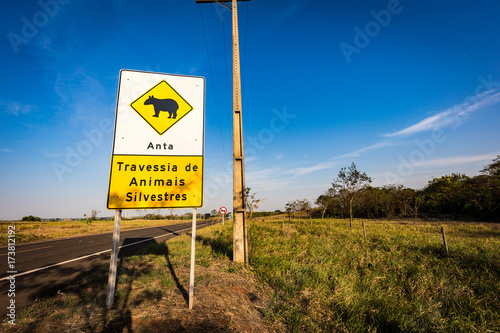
x=157 y=159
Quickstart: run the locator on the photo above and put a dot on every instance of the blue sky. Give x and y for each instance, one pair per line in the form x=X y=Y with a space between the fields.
x=408 y=90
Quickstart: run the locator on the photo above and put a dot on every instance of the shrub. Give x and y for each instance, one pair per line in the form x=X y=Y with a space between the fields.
x=31 y=218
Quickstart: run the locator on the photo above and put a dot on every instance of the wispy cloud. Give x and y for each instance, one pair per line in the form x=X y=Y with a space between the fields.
x=250 y=159
x=378 y=145
x=16 y=108
x=6 y=150
x=306 y=170
x=440 y=120
x=429 y=123
x=460 y=160
x=261 y=174
x=268 y=178
x=449 y=116
x=53 y=155
x=334 y=162
x=278 y=156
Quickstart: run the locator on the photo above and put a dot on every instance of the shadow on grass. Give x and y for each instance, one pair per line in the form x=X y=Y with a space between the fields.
x=218 y=245
x=219 y=325
x=124 y=318
x=163 y=250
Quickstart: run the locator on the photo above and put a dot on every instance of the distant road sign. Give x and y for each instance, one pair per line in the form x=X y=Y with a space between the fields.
x=158 y=145
x=223 y=210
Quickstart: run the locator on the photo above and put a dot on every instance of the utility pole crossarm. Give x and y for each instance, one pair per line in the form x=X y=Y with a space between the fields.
x=204 y=1
x=220 y=2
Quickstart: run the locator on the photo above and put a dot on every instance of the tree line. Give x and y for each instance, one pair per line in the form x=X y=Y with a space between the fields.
x=455 y=196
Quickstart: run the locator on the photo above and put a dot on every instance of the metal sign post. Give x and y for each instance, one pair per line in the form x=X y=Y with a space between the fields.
x=191 y=273
x=114 y=260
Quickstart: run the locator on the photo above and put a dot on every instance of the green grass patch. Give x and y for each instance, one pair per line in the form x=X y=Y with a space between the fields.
x=398 y=279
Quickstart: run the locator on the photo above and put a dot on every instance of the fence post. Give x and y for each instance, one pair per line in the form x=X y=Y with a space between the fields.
x=330 y=223
x=444 y=241
x=364 y=230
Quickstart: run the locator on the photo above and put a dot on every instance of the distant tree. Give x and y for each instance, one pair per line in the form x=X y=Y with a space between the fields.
x=493 y=169
x=89 y=220
x=418 y=200
x=325 y=200
x=483 y=197
x=251 y=201
x=153 y=216
x=405 y=200
x=31 y=218
x=291 y=207
x=141 y=213
x=349 y=182
x=94 y=213
x=304 y=205
x=447 y=194
x=214 y=212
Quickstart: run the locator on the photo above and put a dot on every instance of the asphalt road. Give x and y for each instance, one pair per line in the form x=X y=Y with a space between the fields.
x=43 y=268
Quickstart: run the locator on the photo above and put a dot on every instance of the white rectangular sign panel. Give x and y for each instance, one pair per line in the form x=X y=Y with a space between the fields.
x=158 y=145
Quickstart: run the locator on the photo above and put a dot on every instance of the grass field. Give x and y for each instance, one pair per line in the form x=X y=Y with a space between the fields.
x=302 y=277
x=397 y=279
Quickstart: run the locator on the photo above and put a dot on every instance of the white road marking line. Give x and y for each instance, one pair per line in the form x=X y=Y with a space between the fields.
x=90 y=255
x=38 y=248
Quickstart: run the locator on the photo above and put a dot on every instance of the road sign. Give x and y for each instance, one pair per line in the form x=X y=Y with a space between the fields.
x=157 y=159
x=223 y=210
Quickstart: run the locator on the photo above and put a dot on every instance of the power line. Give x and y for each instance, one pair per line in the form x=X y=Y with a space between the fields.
x=213 y=86
x=225 y=62
x=245 y=50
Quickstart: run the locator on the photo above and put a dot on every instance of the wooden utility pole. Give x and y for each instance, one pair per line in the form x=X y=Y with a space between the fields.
x=240 y=243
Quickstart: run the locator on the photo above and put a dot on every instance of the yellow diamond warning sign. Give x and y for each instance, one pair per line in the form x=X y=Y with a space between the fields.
x=161 y=107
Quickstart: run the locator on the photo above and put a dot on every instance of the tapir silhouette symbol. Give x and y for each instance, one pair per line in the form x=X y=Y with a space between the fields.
x=168 y=105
